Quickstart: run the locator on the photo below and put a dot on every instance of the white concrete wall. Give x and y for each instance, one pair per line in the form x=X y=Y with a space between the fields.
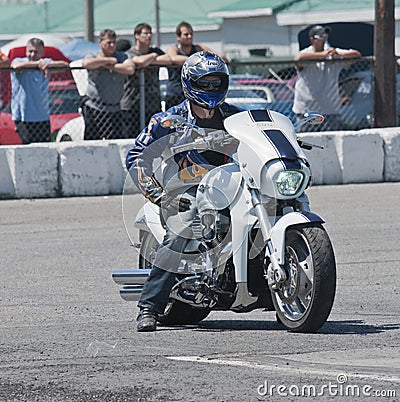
x=98 y=167
x=353 y=156
x=63 y=169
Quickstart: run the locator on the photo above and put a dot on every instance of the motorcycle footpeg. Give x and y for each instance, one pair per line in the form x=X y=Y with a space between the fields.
x=221 y=297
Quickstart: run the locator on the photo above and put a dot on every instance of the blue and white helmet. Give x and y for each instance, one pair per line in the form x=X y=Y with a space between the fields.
x=199 y=91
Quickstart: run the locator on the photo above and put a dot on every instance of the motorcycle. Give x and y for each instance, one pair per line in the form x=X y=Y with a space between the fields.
x=256 y=243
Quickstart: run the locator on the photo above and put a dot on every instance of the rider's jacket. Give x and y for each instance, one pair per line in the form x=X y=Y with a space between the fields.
x=154 y=142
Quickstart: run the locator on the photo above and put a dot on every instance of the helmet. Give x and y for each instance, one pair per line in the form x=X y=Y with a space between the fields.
x=202 y=92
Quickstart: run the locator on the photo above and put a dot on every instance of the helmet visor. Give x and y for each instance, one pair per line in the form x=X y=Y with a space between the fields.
x=207 y=84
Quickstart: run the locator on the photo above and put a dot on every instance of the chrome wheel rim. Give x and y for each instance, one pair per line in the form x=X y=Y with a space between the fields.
x=295 y=295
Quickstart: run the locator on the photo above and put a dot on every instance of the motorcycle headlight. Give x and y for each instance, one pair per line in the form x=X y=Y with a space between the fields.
x=289 y=182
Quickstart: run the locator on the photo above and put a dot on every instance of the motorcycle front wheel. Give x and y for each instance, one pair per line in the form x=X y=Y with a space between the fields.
x=304 y=301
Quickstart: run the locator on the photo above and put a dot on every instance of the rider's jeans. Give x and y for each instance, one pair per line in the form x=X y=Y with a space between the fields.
x=158 y=286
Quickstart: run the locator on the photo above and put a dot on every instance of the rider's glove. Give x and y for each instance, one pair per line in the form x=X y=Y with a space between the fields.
x=154 y=192
x=173 y=204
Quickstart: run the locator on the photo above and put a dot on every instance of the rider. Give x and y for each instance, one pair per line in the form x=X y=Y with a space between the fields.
x=205 y=81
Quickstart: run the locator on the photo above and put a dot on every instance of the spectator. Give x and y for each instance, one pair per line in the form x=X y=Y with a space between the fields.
x=317 y=86
x=4 y=63
x=178 y=54
x=123 y=45
x=106 y=75
x=143 y=55
x=29 y=92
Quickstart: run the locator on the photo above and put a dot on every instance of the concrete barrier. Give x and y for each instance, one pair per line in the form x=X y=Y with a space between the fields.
x=28 y=171
x=98 y=167
x=348 y=156
x=391 y=141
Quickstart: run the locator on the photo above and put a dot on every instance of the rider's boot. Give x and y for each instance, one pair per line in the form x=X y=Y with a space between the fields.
x=146 y=320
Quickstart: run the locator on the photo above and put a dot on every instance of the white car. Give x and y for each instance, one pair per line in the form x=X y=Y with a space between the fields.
x=73 y=130
x=241 y=96
x=246 y=98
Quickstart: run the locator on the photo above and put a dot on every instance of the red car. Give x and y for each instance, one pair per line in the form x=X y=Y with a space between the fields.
x=63 y=97
x=63 y=103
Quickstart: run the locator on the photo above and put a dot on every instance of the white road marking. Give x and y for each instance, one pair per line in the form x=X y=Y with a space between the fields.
x=286 y=369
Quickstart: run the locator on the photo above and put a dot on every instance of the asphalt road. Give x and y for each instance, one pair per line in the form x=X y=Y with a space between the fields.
x=66 y=335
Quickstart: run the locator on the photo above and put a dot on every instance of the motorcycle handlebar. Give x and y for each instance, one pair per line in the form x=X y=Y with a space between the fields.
x=308 y=146
x=204 y=142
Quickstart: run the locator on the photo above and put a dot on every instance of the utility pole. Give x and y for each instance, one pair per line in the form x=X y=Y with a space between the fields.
x=89 y=20
x=385 y=88
x=157 y=14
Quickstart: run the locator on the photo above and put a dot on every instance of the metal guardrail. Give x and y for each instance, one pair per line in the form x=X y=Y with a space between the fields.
x=253 y=84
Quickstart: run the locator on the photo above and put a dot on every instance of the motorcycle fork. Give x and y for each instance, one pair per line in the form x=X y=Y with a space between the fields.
x=277 y=273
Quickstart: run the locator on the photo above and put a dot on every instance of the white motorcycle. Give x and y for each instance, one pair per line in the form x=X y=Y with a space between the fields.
x=255 y=244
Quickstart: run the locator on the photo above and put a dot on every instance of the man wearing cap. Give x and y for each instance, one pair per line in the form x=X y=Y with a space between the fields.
x=317 y=85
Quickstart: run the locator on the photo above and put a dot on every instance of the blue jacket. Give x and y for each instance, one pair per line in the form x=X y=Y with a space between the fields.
x=154 y=139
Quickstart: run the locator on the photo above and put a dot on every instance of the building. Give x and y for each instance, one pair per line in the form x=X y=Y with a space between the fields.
x=256 y=27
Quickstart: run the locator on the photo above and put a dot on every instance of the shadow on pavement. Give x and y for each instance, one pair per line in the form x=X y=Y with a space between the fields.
x=345 y=327
x=355 y=327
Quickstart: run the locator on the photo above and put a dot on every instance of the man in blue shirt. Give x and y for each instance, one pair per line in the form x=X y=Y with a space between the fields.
x=29 y=96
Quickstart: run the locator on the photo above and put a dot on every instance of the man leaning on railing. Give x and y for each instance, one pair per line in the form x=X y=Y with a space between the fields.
x=106 y=76
x=29 y=100
x=317 y=86
x=148 y=59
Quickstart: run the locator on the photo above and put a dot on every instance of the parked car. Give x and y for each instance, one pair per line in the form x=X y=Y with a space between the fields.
x=278 y=93
x=246 y=98
x=281 y=89
x=246 y=91
x=63 y=104
x=357 y=99
x=239 y=95
x=73 y=130
x=355 y=89
x=259 y=90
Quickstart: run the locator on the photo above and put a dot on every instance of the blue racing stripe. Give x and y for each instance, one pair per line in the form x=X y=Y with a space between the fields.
x=291 y=164
x=260 y=115
x=282 y=145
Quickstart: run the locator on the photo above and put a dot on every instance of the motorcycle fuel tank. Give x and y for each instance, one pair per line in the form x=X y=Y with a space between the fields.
x=219 y=187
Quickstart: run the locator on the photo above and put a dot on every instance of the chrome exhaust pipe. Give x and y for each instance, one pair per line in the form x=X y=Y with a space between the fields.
x=131 y=292
x=131 y=276
x=131 y=282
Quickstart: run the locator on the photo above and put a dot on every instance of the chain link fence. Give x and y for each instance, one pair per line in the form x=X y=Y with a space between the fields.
x=276 y=82
x=253 y=85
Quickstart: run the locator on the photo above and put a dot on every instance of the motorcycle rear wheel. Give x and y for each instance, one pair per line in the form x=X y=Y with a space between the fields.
x=148 y=249
x=304 y=301
x=178 y=313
